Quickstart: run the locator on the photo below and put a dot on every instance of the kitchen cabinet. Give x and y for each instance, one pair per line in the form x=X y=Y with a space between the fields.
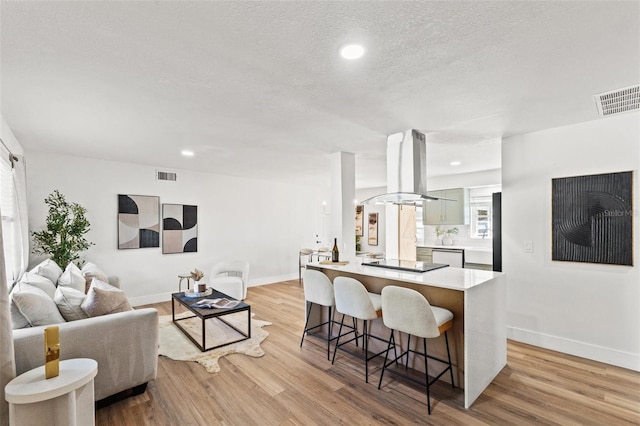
x=424 y=254
x=454 y=210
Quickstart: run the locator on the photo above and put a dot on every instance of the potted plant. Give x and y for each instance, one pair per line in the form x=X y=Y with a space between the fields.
x=446 y=234
x=63 y=238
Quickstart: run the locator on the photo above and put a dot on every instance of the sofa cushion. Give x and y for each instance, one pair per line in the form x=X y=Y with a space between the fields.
x=91 y=271
x=72 y=277
x=34 y=305
x=39 y=281
x=69 y=301
x=49 y=269
x=103 y=299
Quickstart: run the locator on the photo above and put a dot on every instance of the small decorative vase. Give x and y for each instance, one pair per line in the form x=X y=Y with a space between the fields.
x=447 y=241
x=195 y=286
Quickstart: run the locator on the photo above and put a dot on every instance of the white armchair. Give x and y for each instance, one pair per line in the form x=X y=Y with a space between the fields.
x=231 y=277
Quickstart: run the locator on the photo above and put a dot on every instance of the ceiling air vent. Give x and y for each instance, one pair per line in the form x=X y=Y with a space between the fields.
x=618 y=101
x=170 y=176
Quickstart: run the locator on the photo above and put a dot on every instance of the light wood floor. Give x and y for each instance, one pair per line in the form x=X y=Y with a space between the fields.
x=293 y=386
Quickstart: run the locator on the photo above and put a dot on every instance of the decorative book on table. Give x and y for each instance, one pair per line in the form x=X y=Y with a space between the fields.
x=223 y=303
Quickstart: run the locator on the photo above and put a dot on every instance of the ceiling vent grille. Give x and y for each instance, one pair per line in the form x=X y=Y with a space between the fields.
x=170 y=176
x=618 y=101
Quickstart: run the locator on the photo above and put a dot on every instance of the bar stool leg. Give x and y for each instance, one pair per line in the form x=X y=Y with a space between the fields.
x=446 y=338
x=335 y=348
x=330 y=325
x=386 y=356
x=306 y=324
x=365 y=335
x=426 y=376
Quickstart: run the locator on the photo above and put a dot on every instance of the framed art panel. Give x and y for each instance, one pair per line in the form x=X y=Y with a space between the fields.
x=592 y=218
x=359 y=221
x=179 y=228
x=373 y=229
x=138 y=221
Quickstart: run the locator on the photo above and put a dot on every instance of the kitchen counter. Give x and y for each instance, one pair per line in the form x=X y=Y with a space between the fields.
x=477 y=300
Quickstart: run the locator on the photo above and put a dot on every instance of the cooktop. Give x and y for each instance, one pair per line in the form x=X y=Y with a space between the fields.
x=405 y=265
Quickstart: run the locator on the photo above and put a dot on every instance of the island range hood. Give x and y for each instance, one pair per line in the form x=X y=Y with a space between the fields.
x=406 y=170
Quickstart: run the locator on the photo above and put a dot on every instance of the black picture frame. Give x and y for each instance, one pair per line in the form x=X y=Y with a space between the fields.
x=592 y=218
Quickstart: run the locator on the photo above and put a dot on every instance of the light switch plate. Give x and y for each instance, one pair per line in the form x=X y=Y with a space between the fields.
x=528 y=246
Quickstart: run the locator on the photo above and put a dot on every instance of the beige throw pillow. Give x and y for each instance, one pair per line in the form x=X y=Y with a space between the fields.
x=35 y=306
x=103 y=299
x=91 y=271
x=69 y=301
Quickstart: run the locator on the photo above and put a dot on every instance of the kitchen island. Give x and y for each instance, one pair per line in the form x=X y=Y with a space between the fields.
x=477 y=300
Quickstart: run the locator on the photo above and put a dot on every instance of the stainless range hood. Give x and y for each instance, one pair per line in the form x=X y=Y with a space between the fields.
x=406 y=170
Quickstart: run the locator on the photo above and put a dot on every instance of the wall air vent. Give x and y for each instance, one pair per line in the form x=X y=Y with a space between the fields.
x=170 y=176
x=618 y=101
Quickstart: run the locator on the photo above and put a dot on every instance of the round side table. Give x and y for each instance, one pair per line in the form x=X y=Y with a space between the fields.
x=63 y=400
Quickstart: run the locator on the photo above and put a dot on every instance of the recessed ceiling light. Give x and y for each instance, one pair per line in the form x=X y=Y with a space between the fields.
x=186 y=153
x=455 y=163
x=352 y=51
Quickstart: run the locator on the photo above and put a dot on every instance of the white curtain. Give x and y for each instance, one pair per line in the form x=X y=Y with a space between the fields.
x=7 y=357
x=14 y=237
x=13 y=198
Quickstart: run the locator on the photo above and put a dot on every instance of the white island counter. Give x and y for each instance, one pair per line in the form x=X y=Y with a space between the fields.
x=478 y=301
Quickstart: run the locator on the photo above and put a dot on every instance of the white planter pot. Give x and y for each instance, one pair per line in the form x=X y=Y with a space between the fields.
x=447 y=241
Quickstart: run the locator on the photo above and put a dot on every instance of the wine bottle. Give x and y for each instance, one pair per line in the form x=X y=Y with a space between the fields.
x=335 y=254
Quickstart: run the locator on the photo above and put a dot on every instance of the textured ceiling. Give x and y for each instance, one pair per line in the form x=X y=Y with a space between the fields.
x=257 y=88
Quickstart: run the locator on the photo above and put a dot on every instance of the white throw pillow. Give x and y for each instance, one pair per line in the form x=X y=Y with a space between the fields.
x=48 y=268
x=40 y=281
x=72 y=277
x=103 y=299
x=69 y=301
x=91 y=271
x=35 y=306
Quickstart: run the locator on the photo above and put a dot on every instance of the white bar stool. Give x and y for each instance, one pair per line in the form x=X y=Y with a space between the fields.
x=408 y=311
x=353 y=299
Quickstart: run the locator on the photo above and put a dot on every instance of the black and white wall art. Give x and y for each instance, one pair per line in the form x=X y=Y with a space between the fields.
x=592 y=218
x=138 y=221
x=179 y=228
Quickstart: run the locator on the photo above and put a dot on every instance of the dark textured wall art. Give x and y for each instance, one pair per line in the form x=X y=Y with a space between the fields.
x=138 y=221
x=592 y=218
x=179 y=228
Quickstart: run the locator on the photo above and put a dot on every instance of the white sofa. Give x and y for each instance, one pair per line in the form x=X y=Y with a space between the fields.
x=124 y=343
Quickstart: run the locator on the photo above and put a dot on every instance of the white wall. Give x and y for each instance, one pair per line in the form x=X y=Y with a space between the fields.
x=589 y=310
x=263 y=222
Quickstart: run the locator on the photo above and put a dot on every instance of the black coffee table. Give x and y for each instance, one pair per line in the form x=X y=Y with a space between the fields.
x=206 y=313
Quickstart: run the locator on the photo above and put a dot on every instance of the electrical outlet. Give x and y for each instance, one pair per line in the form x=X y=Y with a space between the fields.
x=528 y=246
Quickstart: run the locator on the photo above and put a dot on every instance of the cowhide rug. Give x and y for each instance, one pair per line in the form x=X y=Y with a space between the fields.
x=175 y=345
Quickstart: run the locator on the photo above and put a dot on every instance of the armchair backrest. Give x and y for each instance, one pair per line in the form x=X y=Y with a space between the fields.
x=232 y=268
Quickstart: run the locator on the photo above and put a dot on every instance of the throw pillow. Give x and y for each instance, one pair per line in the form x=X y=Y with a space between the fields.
x=48 y=268
x=91 y=271
x=35 y=306
x=103 y=299
x=72 y=277
x=39 y=281
x=69 y=301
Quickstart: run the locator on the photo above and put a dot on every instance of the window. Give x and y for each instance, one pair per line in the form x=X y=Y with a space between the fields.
x=480 y=202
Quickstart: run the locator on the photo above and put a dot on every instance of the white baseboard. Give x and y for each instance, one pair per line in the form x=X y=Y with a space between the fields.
x=573 y=347
x=165 y=297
